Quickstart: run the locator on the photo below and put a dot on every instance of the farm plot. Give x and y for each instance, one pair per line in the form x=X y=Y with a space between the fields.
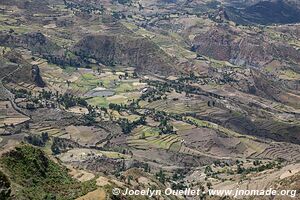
x=145 y=137
x=98 y=194
x=9 y=116
x=78 y=81
x=122 y=98
x=123 y=115
x=78 y=110
x=216 y=127
x=86 y=136
x=25 y=86
x=99 y=88
x=56 y=78
x=80 y=175
x=98 y=101
x=81 y=154
x=86 y=82
x=178 y=107
x=287 y=151
x=211 y=142
x=182 y=126
x=52 y=131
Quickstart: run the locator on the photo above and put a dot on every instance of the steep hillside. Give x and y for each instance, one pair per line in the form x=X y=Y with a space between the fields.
x=40 y=45
x=266 y=12
x=228 y=44
x=36 y=42
x=126 y=50
x=5 y=189
x=33 y=175
x=17 y=69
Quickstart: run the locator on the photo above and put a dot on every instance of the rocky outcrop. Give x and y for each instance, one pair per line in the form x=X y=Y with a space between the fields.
x=21 y=70
x=36 y=76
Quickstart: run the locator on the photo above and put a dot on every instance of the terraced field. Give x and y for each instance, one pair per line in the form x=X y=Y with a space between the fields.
x=286 y=151
x=178 y=107
x=182 y=126
x=216 y=127
x=147 y=137
x=86 y=136
x=9 y=116
x=99 y=87
x=52 y=131
x=116 y=115
x=26 y=86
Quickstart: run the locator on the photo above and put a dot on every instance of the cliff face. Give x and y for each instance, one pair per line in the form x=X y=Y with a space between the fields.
x=126 y=50
x=36 y=76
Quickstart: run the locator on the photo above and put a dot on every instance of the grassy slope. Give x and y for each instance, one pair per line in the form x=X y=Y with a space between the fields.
x=34 y=176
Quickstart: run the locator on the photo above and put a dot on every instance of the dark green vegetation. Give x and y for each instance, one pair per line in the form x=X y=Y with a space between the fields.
x=5 y=186
x=32 y=175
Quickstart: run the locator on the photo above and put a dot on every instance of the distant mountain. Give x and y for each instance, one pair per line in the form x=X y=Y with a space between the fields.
x=264 y=12
x=225 y=43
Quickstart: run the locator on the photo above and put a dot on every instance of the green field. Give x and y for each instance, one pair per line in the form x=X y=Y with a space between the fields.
x=147 y=137
x=98 y=101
